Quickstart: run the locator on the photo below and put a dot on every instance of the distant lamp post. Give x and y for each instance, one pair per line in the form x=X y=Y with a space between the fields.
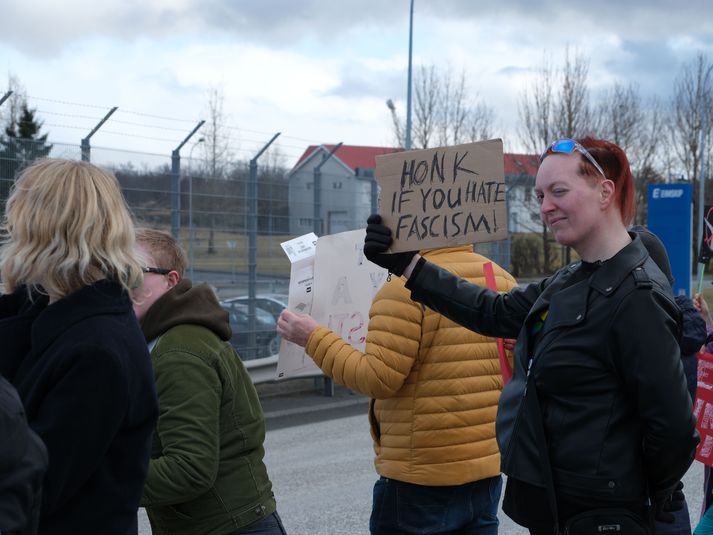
x=190 y=210
x=407 y=142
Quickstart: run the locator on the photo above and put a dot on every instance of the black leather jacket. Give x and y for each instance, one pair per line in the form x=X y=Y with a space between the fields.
x=608 y=372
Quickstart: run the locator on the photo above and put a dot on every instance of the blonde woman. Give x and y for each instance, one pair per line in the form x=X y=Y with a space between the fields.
x=72 y=346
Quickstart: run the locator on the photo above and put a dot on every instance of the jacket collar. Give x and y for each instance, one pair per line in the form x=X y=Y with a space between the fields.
x=613 y=272
x=568 y=306
x=101 y=298
x=186 y=304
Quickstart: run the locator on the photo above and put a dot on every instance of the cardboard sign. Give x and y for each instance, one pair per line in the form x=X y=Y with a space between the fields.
x=292 y=360
x=331 y=280
x=703 y=408
x=346 y=283
x=443 y=197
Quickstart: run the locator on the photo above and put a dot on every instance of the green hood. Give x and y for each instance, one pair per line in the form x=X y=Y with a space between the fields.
x=185 y=304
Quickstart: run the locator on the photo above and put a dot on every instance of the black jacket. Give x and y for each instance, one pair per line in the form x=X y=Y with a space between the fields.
x=23 y=461
x=82 y=370
x=607 y=369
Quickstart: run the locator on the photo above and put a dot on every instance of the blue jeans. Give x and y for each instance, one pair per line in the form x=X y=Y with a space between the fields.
x=270 y=525
x=401 y=508
x=680 y=526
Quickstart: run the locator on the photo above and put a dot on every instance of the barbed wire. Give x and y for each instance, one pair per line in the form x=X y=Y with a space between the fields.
x=153 y=116
x=56 y=101
x=246 y=145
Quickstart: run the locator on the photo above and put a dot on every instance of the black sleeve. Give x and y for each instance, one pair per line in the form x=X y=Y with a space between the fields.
x=693 y=328
x=474 y=307
x=23 y=461
x=651 y=368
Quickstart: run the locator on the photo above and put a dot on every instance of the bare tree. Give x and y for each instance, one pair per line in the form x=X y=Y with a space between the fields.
x=557 y=107
x=623 y=118
x=479 y=122
x=444 y=113
x=619 y=115
x=427 y=91
x=536 y=108
x=573 y=116
x=452 y=110
x=217 y=147
x=692 y=110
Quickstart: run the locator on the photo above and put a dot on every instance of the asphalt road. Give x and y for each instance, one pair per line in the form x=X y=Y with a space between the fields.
x=322 y=475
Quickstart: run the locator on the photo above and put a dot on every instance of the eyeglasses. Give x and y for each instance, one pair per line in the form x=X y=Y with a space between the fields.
x=160 y=271
x=568 y=146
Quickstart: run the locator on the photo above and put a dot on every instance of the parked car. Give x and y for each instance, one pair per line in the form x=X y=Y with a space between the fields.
x=266 y=340
x=272 y=302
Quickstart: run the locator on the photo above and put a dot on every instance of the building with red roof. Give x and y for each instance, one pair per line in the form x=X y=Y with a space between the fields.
x=346 y=188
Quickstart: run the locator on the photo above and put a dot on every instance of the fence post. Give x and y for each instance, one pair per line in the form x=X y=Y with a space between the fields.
x=5 y=97
x=252 y=244
x=319 y=230
x=86 y=148
x=317 y=186
x=176 y=184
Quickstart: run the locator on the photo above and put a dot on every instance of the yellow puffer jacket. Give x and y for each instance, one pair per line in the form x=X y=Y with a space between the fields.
x=435 y=385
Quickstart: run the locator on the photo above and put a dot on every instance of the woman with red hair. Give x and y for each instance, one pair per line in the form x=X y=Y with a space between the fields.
x=596 y=360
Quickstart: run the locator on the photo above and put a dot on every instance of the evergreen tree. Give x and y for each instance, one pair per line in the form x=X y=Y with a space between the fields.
x=20 y=145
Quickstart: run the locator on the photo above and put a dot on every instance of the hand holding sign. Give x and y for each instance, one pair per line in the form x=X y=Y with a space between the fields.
x=444 y=196
x=376 y=244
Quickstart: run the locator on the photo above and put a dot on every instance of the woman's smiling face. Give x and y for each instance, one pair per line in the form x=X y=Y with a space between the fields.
x=570 y=202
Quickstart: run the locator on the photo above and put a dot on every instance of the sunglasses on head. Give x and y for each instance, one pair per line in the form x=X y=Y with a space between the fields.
x=160 y=271
x=568 y=146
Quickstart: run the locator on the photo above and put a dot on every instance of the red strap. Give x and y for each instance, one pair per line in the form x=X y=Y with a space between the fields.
x=505 y=368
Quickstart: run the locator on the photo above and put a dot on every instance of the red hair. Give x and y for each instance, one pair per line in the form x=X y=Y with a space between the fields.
x=616 y=168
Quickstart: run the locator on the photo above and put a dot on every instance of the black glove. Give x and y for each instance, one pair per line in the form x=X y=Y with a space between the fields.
x=664 y=509
x=377 y=242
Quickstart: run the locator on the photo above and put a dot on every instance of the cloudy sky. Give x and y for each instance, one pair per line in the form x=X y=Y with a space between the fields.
x=319 y=71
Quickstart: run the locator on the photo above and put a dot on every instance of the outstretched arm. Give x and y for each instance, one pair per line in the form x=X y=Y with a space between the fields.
x=392 y=344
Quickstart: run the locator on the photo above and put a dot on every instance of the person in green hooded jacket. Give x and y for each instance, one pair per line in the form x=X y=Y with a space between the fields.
x=206 y=473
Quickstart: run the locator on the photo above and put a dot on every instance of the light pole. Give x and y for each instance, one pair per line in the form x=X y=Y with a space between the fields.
x=701 y=192
x=190 y=210
x=407 y=143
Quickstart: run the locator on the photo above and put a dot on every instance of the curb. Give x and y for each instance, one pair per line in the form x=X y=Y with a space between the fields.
x=317 y=408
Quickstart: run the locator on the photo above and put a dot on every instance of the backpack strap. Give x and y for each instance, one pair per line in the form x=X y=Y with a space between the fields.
x=641 y=278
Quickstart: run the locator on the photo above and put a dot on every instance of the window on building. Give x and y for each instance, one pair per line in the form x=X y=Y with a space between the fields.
x=337 y=185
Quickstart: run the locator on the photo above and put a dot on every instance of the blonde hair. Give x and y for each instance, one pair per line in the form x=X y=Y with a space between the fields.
x=164 y=249
x=66 y=226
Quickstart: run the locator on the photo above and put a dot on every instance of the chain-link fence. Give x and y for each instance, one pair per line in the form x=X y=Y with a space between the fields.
x=232 y=233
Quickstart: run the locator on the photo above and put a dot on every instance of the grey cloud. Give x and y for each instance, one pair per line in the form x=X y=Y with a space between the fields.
x=45 y=27
x=366 y=83
x=651 y=64
x=512 y=70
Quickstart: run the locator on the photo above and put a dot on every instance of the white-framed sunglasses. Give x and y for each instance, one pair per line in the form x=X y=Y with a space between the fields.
x=568 y=146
